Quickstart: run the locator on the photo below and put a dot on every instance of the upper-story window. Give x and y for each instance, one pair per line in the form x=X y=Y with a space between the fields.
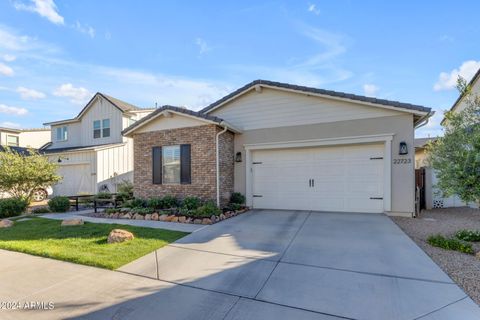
x=12 y=141
x=101 y=128
x=62 y=133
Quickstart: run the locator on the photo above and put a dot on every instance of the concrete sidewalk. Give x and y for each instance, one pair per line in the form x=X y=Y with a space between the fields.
x=185 y=227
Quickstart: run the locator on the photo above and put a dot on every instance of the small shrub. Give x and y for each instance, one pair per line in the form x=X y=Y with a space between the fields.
x=135 y=203
x=191 y=203
x=103 y=195
x=233 y=207
x=237 y=198
x=155 y=203
x=125 y=190
x=169 y=202
x=141 y=210
x=110 y=210
x=468 y=235
x=41 y=210
x=12 y=207
x=450 y=244
x=207 y=210
x=59 y=204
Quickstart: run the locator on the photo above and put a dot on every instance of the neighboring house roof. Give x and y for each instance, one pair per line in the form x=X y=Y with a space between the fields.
x=460 y=97
x=46 y=150
x=117 y=103
x=20 y=150
x=310 y=90
x=420 y=143
x=178 y=110
x=10 y=130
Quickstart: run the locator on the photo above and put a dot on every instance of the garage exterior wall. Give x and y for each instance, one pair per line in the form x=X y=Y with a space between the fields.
x=400 y=126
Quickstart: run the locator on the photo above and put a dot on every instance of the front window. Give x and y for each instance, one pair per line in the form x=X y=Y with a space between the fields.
x=171 y=164
x=101 y=128
x=62 y=133
x=12 y=141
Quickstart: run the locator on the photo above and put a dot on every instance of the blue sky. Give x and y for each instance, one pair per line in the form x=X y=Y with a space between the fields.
x=54 y=54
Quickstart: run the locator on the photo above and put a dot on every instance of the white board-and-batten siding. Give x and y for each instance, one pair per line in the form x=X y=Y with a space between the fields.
x=276 y=108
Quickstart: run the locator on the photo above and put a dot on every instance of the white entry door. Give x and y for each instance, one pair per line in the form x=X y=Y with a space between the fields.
x=346 y=178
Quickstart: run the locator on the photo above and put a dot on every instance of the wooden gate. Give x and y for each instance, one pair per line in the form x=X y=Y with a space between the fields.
x=420 y=184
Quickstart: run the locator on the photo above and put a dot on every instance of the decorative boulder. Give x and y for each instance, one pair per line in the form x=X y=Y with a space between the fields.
x=163 y=217
x=72 y=222
x=5 y=223
x=148 y=216
x=197 y=221
x=222 y=216
x=126 y=216
x=206 y=221
x=119 y=235
x=174 y=219
x=182 y=219
x=114 y=216
x=189 y=220
x=138 y=216
x=154 y=216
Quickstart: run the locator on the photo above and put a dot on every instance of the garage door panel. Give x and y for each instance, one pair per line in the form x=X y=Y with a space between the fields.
x=345 y=178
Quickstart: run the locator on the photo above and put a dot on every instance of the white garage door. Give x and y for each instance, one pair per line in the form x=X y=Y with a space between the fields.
x=77 y=179
x=347 y=178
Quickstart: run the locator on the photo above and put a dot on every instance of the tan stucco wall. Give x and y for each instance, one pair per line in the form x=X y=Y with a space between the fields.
x=403 y=175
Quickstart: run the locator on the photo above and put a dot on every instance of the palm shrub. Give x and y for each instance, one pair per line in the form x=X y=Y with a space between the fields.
x=12 y=207
x=59 y=204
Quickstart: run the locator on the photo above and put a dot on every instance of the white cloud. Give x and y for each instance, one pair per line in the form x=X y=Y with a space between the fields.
x=30 y=94
x=448 y=80
x=6 y=70
x=370 y=90
x=45 y=8
x=202 y=45
x=16 y=111
x=86 y=29
x=77 y=95
x=9 y=57
x=313 y=9
x=8 y=124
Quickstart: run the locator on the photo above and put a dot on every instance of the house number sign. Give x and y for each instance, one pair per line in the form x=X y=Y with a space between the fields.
x=402 y=161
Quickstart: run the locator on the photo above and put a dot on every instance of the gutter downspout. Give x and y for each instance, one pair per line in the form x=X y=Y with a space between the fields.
x=225 y=128
x=424 y=120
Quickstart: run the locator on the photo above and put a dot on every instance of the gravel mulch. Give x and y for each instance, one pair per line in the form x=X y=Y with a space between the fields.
x=464 y=269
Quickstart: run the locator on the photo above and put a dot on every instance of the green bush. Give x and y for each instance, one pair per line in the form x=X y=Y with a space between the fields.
x=207 y=210
x=155 y=203
x=110 y=210
x=136 y=203
x=141 y=210
x=41 y=210
x=103 y=195
x=12 y=207
x=450 y=244
x=125 y=190
x=59 y=204
x=169 y=202
x=191 y=203
x=237 y=198
x=234 y=207
x=468 y=235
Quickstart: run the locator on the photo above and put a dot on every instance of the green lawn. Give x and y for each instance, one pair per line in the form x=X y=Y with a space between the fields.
x=86 y=244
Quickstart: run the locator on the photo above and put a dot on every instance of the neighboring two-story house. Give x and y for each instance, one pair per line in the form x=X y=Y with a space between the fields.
x=90 y=150
x=24 y=138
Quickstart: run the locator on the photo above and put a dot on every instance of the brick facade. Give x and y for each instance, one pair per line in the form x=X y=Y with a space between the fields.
x=203 y=163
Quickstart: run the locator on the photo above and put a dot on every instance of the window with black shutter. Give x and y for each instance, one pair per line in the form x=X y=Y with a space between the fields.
x=171 y=164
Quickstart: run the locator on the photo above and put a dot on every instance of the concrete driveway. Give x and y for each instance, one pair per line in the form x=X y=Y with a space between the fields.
x=310 y=265
x=260 y=265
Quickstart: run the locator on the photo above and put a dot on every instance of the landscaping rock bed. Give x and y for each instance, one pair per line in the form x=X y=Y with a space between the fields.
x=168 y=216
x=463 y=268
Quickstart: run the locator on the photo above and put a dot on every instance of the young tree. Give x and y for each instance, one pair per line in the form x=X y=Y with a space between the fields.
x=455 y=157
x=21 y=175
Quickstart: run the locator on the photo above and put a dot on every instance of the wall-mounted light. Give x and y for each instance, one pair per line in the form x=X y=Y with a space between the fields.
x=403 y=150
x=238 y=157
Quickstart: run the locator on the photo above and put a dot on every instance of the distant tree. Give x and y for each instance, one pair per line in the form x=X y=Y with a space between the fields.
x=21 y=175
x=456 y=156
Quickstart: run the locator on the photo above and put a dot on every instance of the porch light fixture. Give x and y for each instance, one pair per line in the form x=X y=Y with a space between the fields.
x=403 y=150
x=60 y=159
x=238 y=157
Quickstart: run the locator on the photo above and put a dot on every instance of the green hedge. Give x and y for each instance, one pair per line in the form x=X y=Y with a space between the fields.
x=59 y=204
x=12 y=207
x=468 y=235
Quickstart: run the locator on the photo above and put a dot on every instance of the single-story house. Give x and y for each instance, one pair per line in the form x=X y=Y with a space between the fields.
x=284 y=147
